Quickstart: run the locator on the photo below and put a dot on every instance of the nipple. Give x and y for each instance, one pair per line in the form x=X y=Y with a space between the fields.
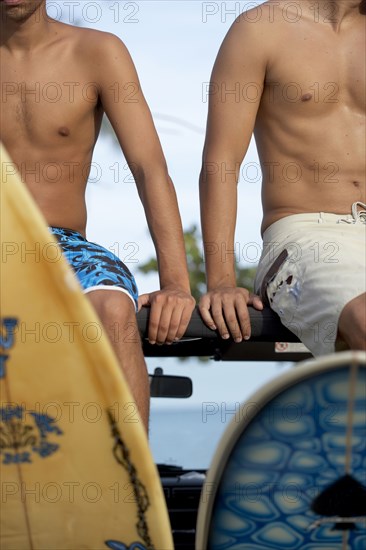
x=306 y=97
x=63 y=131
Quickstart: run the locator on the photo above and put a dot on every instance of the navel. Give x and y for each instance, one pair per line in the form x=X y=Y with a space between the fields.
x=64 y=131
x=306 y=97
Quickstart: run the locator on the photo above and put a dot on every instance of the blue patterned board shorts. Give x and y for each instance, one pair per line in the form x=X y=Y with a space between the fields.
x=96 y=267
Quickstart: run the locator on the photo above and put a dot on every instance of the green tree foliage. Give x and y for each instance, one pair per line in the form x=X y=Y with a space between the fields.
x=196 y=266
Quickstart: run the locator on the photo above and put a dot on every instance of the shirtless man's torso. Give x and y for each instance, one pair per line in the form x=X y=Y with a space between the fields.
x=299 y=74
x=57 y=82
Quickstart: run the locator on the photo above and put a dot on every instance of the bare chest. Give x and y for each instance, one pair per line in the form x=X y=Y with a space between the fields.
x=318 y=73
x=40 y=105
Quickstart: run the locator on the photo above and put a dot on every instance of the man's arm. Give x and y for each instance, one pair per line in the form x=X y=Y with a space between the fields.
x=236 y=88
x=127 y=110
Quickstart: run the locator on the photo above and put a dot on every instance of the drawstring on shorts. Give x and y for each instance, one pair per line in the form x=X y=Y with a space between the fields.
x=357 y=215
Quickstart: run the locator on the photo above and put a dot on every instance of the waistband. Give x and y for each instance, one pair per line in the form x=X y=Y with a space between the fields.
x=287 y=223
x=65 y=232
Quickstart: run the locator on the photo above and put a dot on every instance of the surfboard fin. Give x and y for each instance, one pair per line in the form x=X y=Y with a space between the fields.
x=345 y=498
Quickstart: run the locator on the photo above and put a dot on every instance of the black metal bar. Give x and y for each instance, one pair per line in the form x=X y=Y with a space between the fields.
x=266 y=327
x=199 y=340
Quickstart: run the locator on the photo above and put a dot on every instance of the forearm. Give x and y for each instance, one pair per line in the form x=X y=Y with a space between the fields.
x=159 y=199
x=218 y=194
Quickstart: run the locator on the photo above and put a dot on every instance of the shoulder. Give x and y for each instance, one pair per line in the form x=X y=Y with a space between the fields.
x=100 y=45
x=257 y=35
x=93 y=45
x=259 y=25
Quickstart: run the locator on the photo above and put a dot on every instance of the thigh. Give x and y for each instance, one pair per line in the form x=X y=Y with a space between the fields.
x=117 y=314
x=352 y=323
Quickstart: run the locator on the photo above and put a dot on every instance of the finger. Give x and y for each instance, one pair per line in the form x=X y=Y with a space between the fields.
x=154 y=320
x=243 y=318
x=217 y=315
x=184 y=321
x=204 y=309
x=174 y=325
x=232 y=322
x=255 y=301
x=143 y=300
x=164 y=323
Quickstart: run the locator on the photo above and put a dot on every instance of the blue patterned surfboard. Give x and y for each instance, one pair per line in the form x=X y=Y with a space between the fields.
x=291 y=472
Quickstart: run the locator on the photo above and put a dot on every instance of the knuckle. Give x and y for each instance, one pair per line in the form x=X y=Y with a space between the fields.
x=185 y=320
x=173 y=327
x=216 y=312
x=159 y=298
x=231 y=319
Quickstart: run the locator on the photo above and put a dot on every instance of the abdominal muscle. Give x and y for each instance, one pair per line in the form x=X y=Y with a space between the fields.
x=56 y=175
x=311 y=165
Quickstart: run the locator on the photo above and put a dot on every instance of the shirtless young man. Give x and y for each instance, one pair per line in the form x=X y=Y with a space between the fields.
x=57 y=81
x=298 y=70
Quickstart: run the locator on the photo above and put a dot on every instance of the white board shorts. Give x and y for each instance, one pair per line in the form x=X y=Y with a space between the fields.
x=324 y=269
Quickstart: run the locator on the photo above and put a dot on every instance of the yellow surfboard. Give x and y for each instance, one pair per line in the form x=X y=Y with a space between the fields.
x=76 y=469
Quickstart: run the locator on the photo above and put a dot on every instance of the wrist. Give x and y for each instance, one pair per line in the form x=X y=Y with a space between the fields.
x=183 y=287
x=224 y=282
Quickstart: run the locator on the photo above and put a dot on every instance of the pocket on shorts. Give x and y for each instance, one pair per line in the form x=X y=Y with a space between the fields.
x=284 y=289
